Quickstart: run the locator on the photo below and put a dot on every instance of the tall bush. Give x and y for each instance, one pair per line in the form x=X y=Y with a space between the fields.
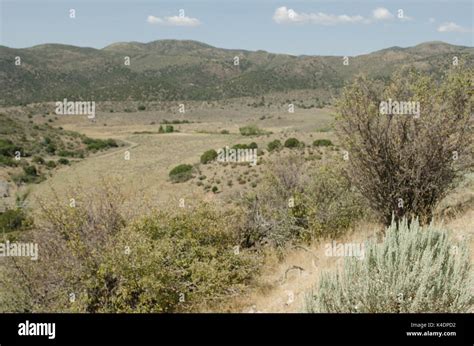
x=404 y=164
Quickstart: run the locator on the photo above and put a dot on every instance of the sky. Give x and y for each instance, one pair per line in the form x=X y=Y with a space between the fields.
x=330 y=27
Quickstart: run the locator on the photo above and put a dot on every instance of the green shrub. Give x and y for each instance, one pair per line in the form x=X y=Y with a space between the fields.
x=215 y=189
x=8 y=148
x=252 y=145
x=292 y=143
x=224 y=132
x=299 y=201
x=251 y=130
x=181 y=173
x=8 y=161
x=208 y=156
x=328 y=204
x=29 y=176
x=178 y=262
x=65 y=153
x=117 y=261
x=274 y=145
x=13 y=220
x=141 y=108
x=99 y=144
x=30 y=170
x=51 y=164
x=176 y=121
x=63 y=161
x=38 y=160
x=413 y=270
x=322 y=143
x=169 y=128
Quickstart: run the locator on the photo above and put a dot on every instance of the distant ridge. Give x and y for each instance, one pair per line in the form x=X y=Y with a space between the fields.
x=186 y=69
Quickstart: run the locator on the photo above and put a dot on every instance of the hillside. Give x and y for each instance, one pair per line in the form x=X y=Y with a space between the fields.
x=31 y=151
x=180 y=70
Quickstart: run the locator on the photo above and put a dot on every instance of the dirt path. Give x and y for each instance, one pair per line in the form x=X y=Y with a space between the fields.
x=131 y=145
x=285 y=285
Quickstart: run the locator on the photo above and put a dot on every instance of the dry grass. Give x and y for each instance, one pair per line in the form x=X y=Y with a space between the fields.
x=282 y=284
x=153 y=156
x=273 y=292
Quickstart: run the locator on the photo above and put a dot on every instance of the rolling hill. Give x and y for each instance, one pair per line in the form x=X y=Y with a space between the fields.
x=180 y=70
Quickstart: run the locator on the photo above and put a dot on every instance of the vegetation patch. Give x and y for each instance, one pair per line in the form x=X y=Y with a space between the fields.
x=181 y=173
x=208 y=156
x=252 y=130
x=322 y=143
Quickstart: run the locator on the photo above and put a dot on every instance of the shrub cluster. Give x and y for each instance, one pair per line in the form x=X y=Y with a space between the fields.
x=298 y=201
x=322 y=143
x=166 y=261
x=251 y=130
x=166 y=129
x=99 y=144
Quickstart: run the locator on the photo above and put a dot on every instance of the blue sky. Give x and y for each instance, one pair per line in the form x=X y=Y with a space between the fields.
x=337 y=27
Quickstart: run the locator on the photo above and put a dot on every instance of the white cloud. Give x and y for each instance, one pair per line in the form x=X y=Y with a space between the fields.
x=154 y=20
x=451 y=27
x=381 y=13
x=431 y=20
x=284 y=15
x=174 y=21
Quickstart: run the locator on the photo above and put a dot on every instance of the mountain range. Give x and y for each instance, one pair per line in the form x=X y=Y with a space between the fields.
x=182 y=69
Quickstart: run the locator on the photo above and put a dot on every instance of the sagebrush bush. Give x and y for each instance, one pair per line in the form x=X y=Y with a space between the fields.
x=414 y=269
